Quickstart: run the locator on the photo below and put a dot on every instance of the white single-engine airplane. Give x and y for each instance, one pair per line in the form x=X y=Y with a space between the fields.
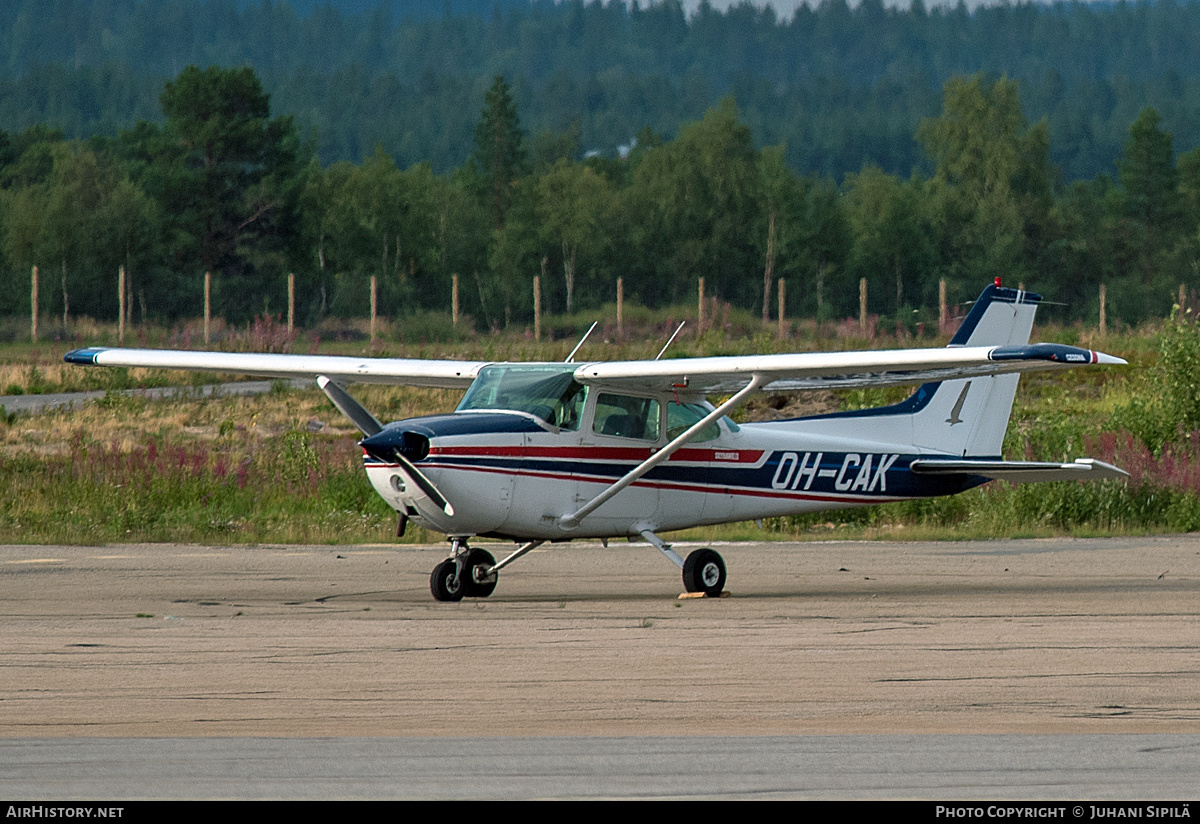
x=549 y=452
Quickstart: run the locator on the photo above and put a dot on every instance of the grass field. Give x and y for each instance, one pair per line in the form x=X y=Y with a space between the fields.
x=284 y=466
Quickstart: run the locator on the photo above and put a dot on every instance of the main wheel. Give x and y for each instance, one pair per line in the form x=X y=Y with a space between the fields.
x=445 y=583
x=478 y=584
x=704 y=571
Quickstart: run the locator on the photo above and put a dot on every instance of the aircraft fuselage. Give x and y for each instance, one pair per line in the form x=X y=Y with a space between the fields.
x=485 y=461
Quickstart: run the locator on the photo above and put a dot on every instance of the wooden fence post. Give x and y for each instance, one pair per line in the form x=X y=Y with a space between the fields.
x=620 y=305
x=862 y=306
x=700 y=311
x=33 y=302
x=943 y=314
x=537 y=308
x=291 y=303
x=782 y=312
x=207 y=304
x=454 y=299
x=1103 y=310
x=374 y=303
x=121 y=304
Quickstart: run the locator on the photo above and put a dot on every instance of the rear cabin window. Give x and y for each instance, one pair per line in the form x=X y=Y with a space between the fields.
x=681 y=416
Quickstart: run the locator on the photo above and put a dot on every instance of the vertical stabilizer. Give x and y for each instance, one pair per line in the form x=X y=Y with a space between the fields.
x=966 y=417
x=970 y=416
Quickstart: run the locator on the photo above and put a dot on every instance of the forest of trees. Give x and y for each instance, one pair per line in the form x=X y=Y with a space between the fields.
x=839 y=86
x=1055 y=146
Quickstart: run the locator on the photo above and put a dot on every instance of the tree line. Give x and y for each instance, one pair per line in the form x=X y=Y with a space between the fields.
x=222 y=186
x=839 y=86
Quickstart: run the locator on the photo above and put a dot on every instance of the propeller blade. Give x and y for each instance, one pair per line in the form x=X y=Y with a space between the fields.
x=369 y=425
x=424 y=484
x=346 y=403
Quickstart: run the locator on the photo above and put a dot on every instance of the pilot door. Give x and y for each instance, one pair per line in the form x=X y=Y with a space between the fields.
x=618 y=433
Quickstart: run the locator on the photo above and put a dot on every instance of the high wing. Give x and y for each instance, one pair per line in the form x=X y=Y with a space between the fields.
x=432 y=374
x=808 y=370
x=835 y=370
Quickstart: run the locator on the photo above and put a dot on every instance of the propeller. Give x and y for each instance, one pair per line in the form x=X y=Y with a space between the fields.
x=370 y=426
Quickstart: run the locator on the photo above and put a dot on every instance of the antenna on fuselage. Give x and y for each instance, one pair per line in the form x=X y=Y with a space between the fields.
x=571 y=357
x=671 y=339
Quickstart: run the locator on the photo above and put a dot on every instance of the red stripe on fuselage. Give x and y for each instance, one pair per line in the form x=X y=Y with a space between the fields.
x=599 y=453
x=670 y=485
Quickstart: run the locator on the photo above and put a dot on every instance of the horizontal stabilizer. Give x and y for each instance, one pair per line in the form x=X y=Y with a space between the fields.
x=1017 y=472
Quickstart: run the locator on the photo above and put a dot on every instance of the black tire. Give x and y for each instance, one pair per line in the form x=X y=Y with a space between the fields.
x=704 y=571
x=475 y=585
x=445 y=583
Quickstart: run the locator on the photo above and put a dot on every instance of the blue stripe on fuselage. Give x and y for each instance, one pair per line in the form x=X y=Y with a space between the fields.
x=863 y=475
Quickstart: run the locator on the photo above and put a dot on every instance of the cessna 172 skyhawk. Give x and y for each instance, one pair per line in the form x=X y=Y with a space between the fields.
x=548 y=452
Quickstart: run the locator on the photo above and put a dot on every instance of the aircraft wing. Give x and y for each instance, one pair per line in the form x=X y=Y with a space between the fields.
x=835 y=370
x=712 y=375
x=434 y=374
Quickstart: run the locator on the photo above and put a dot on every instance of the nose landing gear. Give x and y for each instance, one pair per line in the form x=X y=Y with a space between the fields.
x=467 y=573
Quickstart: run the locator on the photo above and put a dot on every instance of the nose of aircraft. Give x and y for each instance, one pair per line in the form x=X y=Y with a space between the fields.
x=395 y=445
x=393 y=441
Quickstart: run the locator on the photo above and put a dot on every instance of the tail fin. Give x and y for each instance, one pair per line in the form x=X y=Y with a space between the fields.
x=965 y=417
x=969 y=417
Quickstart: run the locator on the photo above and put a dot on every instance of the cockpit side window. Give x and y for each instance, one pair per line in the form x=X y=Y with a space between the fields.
x=625 y=416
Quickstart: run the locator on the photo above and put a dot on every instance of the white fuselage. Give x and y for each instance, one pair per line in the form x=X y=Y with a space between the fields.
x=521 y=484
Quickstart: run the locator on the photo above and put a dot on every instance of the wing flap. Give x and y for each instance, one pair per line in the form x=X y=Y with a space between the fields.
x=1081 y=469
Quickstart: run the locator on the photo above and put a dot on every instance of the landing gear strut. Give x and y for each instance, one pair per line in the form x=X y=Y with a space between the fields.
x=703 y=571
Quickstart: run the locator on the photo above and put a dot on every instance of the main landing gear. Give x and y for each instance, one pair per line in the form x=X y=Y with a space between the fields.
x=703 y=571
x=473 y=573
x=469 y=573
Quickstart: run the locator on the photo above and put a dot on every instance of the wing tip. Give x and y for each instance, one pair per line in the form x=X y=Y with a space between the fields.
x=84 y=357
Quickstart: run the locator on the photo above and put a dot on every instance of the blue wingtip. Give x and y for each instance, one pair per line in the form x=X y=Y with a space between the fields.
x=83 y=357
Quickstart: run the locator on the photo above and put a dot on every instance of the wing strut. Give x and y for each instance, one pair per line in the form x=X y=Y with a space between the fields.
x=571 y=521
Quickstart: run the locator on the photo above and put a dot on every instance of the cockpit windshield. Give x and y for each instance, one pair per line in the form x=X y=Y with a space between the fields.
x=547 y=391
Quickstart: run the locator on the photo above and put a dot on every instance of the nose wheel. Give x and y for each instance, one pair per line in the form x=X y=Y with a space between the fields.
x=446 y=583
x=467 y=573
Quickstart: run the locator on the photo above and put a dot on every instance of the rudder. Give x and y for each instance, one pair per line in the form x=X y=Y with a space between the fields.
x=969 y=417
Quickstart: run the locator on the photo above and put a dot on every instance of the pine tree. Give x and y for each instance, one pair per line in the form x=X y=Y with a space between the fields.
x=499 y=158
